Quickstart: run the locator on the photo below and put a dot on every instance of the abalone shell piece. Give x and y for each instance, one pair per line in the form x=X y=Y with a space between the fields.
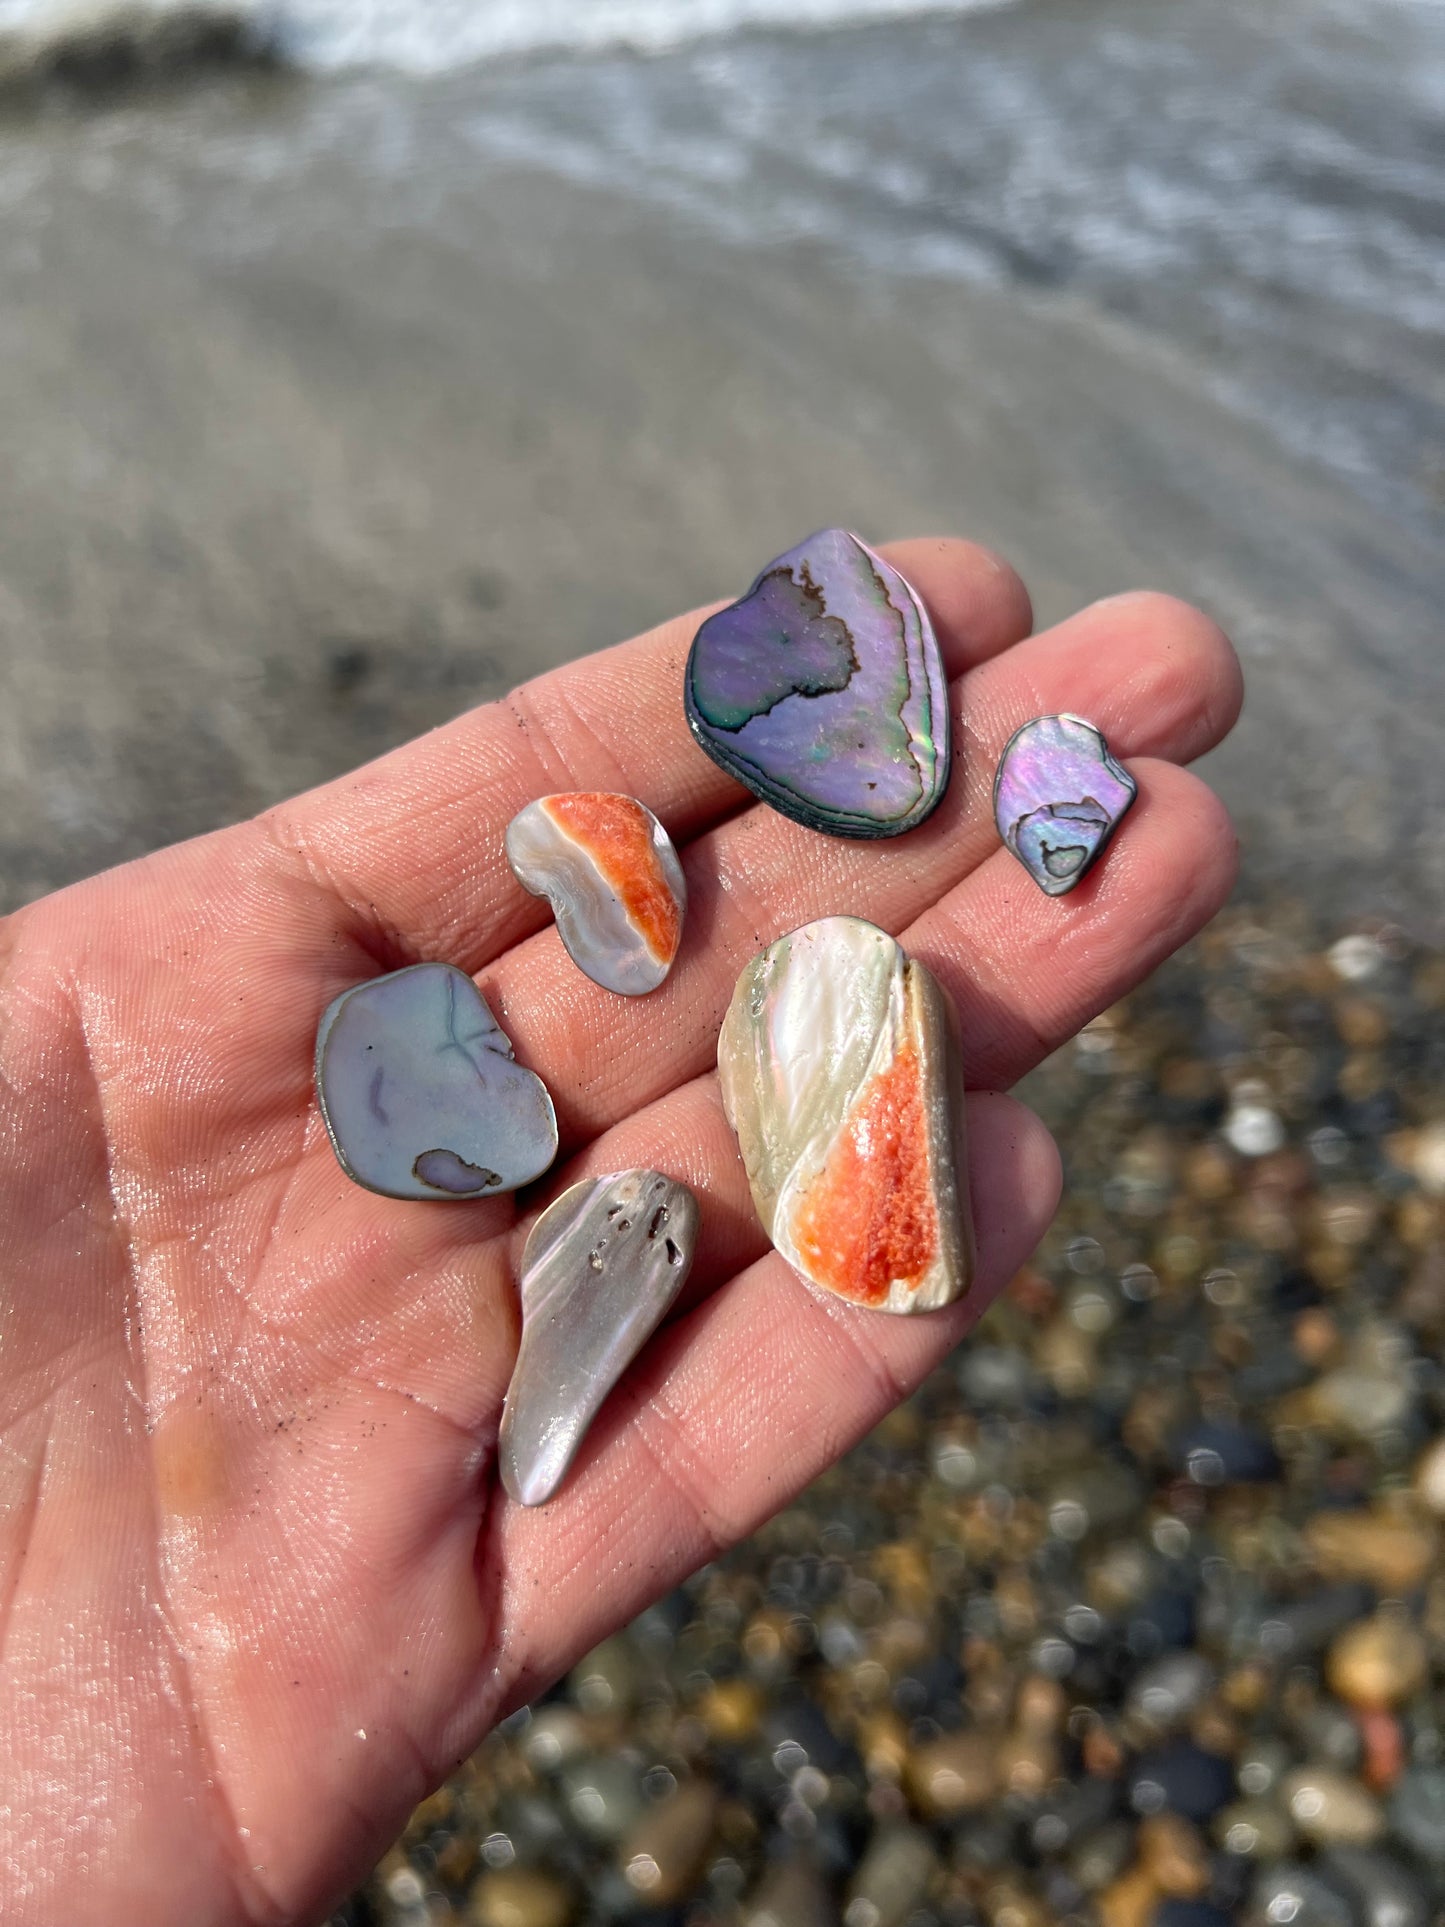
x=612 y=876
x=823 y=691
x=420 y=1093
x=1058 y=798
x=599 y=1269
x=841 y=1076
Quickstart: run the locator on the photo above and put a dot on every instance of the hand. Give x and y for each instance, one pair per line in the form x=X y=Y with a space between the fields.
x=259 y=1590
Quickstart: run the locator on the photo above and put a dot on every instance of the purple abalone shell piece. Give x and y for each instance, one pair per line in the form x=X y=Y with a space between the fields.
x=1058 y=798
x=823 y=691
x=420 y=1093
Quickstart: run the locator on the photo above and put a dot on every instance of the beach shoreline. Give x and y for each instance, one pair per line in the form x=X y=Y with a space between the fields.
x=326 y=427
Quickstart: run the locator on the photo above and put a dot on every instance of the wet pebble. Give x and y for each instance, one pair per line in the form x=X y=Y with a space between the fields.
x=1379 y=1663
x=1296 y=1896
x=1182 y=1778
x=1387 y=1892
x=519 y=1897
x=1417 y=1811
x=1331 y=1808
x=664 y=1853
x=892 y=1880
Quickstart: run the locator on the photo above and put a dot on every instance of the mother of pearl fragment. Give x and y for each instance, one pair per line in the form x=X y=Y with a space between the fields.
x=599 y=1269
x=612 y=876
x=841 y=1076
x=420 y=1093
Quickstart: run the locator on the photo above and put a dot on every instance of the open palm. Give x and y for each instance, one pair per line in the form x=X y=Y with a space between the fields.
x=259 y=1590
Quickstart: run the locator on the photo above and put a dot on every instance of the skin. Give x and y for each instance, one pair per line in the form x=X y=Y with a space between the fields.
x=259 y=1588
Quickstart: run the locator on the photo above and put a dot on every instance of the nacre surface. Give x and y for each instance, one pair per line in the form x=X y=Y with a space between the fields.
x=1058 y=798
x=823 y=691
x=420 y=1093
x=599 y=1269
x=840 y=1073
x=610 y=872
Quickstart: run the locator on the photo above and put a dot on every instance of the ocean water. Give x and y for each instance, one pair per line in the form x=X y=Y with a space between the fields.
x=1260 y=189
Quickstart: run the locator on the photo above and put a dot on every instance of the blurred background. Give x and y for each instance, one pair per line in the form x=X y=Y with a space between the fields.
x=359 y=358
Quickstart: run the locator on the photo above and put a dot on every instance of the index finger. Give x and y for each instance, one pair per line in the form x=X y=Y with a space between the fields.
x=411 y=845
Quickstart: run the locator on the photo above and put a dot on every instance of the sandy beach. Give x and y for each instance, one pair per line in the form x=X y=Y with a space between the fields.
x=324 y=424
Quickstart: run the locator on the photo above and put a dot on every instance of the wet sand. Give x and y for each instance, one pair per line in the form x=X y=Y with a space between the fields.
x=322 y=426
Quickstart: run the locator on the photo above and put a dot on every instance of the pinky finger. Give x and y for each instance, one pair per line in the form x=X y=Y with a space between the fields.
x=733 y=1410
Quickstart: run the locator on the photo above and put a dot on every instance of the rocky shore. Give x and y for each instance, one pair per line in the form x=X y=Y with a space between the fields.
x=1134 y=1616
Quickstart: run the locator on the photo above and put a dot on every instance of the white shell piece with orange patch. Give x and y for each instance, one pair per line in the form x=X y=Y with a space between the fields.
x=612 y=876
x=841 y=1076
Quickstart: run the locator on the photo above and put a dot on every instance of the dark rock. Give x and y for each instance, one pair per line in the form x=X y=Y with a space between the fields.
x=1181 y=1778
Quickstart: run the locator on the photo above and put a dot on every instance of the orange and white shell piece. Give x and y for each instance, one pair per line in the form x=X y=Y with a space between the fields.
x=612 y=876
x=840 y=1074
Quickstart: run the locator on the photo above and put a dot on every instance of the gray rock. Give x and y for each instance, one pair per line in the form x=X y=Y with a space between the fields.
x=602 y=1796
x=1167 y=1691
x=1417 y=1812
x=1294 y=1896
x=1387 y=1892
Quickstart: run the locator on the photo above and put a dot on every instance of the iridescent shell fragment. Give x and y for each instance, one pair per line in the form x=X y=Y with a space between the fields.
x=841 y=1076
x=599 y=1269
x=823 y=691
x=420 y=1093
x=612 y=876
x=1058 y=798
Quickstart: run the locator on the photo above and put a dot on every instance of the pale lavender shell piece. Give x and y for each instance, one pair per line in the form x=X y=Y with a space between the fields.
x=599 y=1269
x=420 y=1093
x=1058 y=798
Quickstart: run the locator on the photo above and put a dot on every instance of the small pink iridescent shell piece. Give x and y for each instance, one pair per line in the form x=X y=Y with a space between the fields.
x=1058 y=798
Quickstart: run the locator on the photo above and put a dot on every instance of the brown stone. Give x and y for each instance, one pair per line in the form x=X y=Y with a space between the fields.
x=519 y=1897
x=1392 y=1550
x=955 y=1774
x=1378 y=1663
x=1330 y=1808
x=664 y=1854
x=1173 y=1855
x=730 y=1710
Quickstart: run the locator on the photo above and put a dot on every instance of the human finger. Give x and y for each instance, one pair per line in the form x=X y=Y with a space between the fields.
x=411 y=845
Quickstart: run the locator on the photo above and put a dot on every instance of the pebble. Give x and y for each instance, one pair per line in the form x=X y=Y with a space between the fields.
x=1330 y=1808
x=1255 y=1830
x=1391 y=1550
x=1295 y=1896
x=1430 y=1478
x=1387 y=1893
x=663 y=1855
x=603 y=1797
x=893 y=1879
x=519 y=1897
x=1167 y=1691
x=1379 y=1663
x=1183 y=1778
x=1417 y=1812
x=792 y=1894
x=954 y=1774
